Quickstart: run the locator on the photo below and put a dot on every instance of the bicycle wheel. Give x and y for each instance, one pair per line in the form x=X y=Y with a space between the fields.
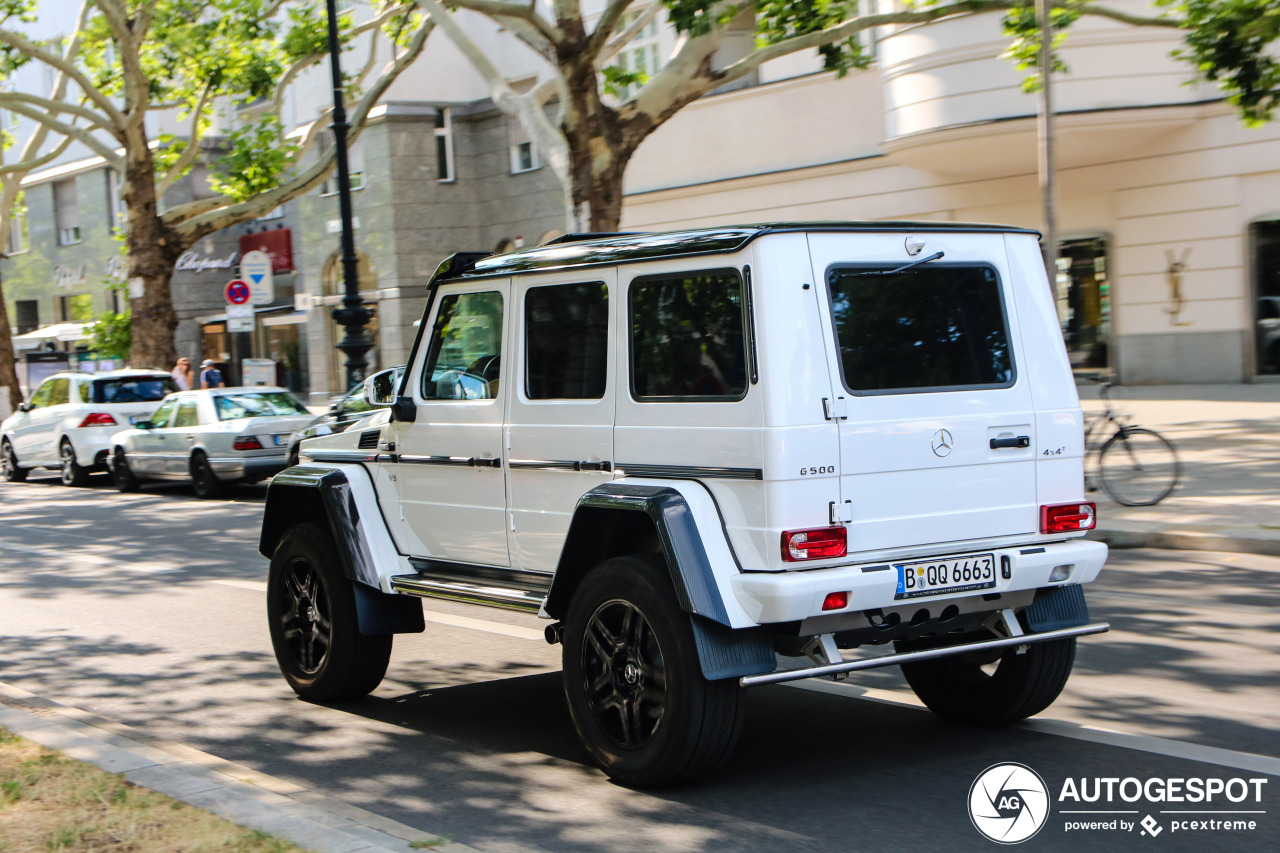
x=1139 y=467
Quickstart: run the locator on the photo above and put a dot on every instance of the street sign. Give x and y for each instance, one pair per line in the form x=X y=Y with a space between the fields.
x=245 y=310
x=239 y=324
x=237 y=292
x=255 y=268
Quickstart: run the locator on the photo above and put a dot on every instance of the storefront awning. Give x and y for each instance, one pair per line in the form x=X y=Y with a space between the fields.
x=60 y=332
x=289 y=319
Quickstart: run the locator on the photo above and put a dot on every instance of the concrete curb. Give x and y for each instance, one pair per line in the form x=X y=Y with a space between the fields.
x=1221 y=539
x=232 y=791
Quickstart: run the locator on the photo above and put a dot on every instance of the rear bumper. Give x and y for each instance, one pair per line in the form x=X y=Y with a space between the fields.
x=798 y=595
x=249 y=467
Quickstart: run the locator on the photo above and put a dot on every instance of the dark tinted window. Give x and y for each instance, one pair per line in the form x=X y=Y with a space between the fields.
x=136 y=390
x=465 y=358
x=687 y=337
x=931 y=327
x=566 y=341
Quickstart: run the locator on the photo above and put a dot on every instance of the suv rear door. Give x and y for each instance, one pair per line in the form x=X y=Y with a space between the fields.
x=938 y=442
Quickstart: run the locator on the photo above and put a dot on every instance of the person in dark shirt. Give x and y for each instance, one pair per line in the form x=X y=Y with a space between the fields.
x=210 y=376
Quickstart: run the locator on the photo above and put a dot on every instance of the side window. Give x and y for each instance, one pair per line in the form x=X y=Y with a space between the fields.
x=41 y=397
x=59 y=392
x=687 y=339
x=465 y=355
x=566 y=341
x=84 y=389
x=160 y=418
x=187 y=415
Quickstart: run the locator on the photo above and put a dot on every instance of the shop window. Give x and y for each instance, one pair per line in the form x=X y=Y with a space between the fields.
x=66 y=212
x=1264 y=239
x=1084 y=301
x=444 y=144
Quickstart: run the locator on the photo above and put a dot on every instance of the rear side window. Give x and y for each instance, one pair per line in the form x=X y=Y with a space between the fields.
x=929 y=328
x=187 y=414
x=567 y=341
x=140 y=390
x=687 y=339
x=233 y=406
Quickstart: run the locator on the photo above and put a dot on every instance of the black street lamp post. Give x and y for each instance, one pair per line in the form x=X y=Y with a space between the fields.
x=353 y=316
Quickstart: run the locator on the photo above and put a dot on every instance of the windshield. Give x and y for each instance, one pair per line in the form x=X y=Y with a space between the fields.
x=928 y=328
x=232 y=406
x=143 y=389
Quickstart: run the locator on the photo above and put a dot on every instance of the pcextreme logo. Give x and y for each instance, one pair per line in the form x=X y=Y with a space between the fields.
x=1009 y=803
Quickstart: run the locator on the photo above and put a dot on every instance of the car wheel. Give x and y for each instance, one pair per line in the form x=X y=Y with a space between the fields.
x=9 y=464
x=71 y=472
x=634 y=683
x=204 y=482
x=311 y=610
x=993 y=687
x=121 y=474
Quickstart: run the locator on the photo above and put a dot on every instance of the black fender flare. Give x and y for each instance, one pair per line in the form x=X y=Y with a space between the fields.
x=324 y=495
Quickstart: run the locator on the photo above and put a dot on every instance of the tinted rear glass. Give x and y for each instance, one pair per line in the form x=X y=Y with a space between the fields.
x=135 y=390
x=567 y=341
x=933 y=327
x=232 y=406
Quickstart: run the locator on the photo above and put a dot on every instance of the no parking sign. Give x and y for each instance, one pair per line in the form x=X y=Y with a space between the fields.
x=237 y=292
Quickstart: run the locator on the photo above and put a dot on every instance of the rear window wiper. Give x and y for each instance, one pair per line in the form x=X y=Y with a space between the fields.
x=935 y=256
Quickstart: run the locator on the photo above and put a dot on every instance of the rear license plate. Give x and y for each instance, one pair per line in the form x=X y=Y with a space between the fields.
x=953 y=574
x=280 y=439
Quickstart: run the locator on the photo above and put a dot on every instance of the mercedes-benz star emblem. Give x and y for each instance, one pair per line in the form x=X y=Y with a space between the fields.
x=942 y=443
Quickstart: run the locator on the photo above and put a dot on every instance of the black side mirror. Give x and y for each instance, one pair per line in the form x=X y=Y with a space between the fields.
x=142 y=425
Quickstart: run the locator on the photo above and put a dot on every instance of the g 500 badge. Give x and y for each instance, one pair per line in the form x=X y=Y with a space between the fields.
x=814 y=471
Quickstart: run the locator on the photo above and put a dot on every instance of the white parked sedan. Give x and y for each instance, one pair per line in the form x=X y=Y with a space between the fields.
x=69 y=420
x=213 y=437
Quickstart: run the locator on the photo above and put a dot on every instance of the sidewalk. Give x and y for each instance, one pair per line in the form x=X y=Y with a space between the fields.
x=1228 y=438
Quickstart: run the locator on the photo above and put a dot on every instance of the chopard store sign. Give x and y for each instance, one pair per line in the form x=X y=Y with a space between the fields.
x=195 y=262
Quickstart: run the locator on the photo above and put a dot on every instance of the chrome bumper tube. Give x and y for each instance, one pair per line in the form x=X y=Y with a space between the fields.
x=927 y=654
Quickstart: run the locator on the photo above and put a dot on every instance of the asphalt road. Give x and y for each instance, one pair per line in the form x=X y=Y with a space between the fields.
x=148 y=609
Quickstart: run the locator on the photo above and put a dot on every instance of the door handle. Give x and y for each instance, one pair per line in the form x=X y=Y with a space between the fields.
x=484 y=462
x=191 y=438
x=1015 y=441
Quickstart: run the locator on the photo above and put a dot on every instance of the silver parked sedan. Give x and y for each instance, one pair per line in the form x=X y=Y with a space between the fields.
x=213 y=437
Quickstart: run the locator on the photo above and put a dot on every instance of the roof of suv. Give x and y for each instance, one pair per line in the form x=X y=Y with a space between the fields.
x=623 y=248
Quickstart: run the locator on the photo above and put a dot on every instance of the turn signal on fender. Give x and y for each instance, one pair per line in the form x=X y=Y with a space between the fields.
x=819 y=543
x=1066 y=518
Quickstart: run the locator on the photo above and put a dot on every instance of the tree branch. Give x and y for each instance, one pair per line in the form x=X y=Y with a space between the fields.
x=53 y=106
x=189 y=154
x=608 y=20
x=613 y=47
x=514 y=11
x=127 y=41
x=80 y=134
x=28 y=48
x=25 y=165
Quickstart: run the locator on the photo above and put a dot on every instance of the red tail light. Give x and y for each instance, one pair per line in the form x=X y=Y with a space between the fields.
x=1065 y=518
x=247 y=442
x=819 y=543
x=836 y=601
x=98 y=419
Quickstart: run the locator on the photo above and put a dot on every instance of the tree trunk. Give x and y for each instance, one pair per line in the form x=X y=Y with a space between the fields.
x=153 y=250
x=8 y=368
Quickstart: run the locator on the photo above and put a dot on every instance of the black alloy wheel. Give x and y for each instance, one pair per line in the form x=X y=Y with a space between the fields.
x=204 y=482
x=72 y=473
x=634 y=683
x=311 y=613
x=9 y=464
x=121 y=474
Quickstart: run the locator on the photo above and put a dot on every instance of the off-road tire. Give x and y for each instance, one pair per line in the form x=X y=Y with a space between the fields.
x=660 y=722
x=121 y=475
x=204 y=482
x=9 y=464
x=958 y=689
x=311 y=609
x=71 y=472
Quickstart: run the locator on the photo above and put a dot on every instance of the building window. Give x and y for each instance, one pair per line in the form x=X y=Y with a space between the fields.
x=640 y=56
x=524 y=157
x=868 y=36
x=116 y=218
x=19 y=235
x=1264 y=239
x=355 y=167
x=27 y=315
x=444 y=144
x=273 y=213
x=1084 y=301
x=75 y=309
x=66 y=212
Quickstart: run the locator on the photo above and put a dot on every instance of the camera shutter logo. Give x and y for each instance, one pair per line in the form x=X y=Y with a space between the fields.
x=1008 y=803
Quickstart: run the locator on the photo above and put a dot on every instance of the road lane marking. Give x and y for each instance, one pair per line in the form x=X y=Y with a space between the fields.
x=429 y=615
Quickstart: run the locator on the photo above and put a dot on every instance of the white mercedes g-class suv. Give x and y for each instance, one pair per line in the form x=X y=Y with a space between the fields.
x=698 y=454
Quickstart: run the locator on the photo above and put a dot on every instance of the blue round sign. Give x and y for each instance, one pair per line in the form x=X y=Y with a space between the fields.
x=238 y=292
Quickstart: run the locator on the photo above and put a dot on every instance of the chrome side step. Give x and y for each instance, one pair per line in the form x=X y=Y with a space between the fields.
x=927 y=654
x=506 y=598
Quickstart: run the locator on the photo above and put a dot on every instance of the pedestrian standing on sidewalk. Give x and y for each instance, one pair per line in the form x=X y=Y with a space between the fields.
x=210 y=376
x=183 y=374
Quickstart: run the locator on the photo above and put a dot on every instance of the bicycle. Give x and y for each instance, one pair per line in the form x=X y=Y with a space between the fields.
x=1137 y=466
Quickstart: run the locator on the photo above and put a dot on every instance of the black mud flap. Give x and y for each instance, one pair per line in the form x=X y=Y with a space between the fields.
x=727 y=652
x=380 y=613
x=1056 y=608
